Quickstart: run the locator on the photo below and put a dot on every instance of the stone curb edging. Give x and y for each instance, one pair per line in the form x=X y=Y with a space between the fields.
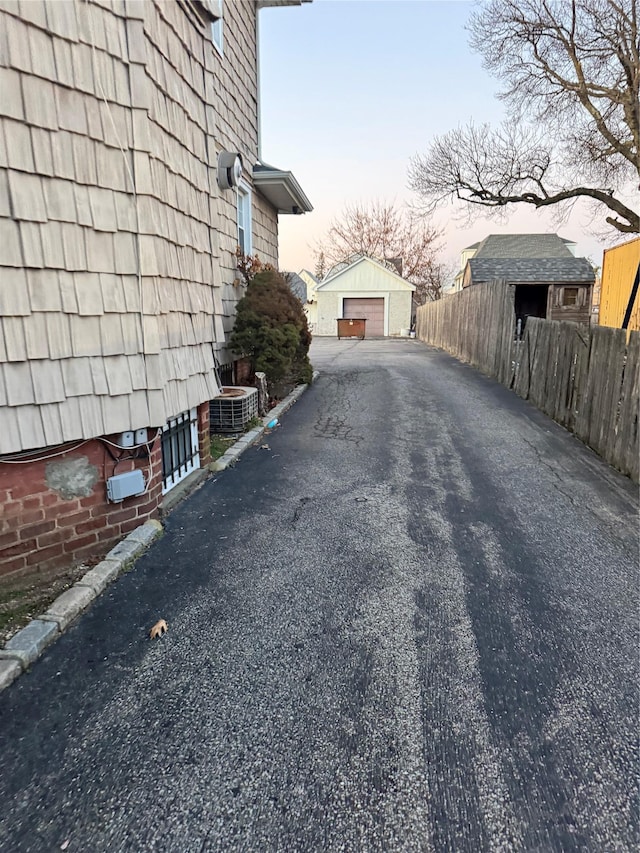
x=28 y=644
x=231 y=456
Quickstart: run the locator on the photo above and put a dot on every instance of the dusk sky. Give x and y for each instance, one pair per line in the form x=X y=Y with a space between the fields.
x=352 y=89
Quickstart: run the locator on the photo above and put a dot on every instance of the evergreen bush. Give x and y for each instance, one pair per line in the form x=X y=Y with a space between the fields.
x=271 y=330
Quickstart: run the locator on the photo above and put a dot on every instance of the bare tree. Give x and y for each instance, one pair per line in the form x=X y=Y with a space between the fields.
x=397 y=236
x=321 y=266
x=571 y=75
x=430 y=284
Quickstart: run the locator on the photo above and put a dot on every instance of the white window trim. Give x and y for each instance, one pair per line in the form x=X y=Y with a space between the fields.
x=244 y=190
x=217 y=31
x=194 y=464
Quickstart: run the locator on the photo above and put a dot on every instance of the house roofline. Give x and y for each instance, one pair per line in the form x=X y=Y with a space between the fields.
x=407 y=284
x=281 y=189
x=265 y=4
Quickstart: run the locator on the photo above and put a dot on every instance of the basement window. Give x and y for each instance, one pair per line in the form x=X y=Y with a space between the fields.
x=180 y=454
x=570 y=296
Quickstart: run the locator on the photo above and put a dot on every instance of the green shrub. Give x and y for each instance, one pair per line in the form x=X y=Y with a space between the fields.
x=271 y=330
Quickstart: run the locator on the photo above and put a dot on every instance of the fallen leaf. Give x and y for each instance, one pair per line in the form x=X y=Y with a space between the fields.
x=264 y=447
x=158 y=629
x=64 y=844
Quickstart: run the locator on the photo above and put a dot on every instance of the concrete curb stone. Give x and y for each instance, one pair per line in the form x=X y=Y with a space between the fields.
x=230 y=456
x=124 y=551
x=101 y=575
x=29 y=643
x=69 y=605
x=183 y=489
x=146 y=533
x=9 y=671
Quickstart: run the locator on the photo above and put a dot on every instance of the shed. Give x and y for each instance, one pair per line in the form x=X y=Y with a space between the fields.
x=364 y=288
x=550 y=281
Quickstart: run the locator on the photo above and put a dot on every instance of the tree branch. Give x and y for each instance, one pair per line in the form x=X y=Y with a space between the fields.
x=572 y=72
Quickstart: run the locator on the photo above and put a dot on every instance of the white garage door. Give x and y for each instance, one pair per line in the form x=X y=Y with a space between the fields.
x=371 y=309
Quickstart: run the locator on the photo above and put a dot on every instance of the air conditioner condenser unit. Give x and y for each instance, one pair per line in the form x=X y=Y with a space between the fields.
x=233 y=409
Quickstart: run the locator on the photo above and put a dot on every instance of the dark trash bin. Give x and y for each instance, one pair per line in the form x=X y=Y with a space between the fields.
x=352 y=328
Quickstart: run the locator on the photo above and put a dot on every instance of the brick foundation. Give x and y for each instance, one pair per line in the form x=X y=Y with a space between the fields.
x=243 y=372
x=43 y=529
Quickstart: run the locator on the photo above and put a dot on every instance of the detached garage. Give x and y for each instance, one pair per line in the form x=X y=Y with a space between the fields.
x=364 y=289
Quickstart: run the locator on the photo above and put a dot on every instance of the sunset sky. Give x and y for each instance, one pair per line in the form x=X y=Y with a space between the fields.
x=352 y=89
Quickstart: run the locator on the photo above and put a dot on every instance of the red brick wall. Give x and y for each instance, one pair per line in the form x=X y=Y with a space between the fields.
x=243 y=371
x=40 y=530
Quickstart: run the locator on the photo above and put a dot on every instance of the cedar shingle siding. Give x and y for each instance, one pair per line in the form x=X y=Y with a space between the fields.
x=116 y=245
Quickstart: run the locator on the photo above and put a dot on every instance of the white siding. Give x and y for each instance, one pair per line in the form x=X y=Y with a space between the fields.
x=365 y=279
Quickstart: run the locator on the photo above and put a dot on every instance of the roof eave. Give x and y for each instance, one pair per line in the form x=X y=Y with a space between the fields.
x=264 y=4
x=281 y=189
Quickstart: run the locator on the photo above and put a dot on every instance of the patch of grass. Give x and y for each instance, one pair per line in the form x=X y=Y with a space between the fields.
x=28 y=597
x=220 y=444
x=19 y=615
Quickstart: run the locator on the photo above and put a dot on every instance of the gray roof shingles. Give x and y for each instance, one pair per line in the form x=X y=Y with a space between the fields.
x=523 y=246
x=297 y=285
x=532 y=269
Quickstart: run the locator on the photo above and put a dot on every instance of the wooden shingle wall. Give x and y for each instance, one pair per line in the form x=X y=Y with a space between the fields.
x=116 y=245
x=235 y=85
x=265 y=231
x=178 y=251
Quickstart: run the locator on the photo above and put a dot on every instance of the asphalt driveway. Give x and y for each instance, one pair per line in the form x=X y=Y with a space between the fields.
x=409 y=623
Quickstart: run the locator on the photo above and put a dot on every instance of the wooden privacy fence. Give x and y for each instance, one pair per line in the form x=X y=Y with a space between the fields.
x=587 y=379
x=476 y=325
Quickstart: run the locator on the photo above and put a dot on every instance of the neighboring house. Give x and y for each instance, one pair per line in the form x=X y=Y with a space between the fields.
x=550 y=281
x=303 y=285
x=465 y=255
x=129 y=174
x=619 y=296
x=595 y=299
x=311 y=307
x=364 y=288
x=297 y=286
x=311 y=281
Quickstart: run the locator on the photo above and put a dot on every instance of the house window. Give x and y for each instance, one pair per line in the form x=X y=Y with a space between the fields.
x=216 y=27
x=244 y=219
x=570 y=296
x=180 y=454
